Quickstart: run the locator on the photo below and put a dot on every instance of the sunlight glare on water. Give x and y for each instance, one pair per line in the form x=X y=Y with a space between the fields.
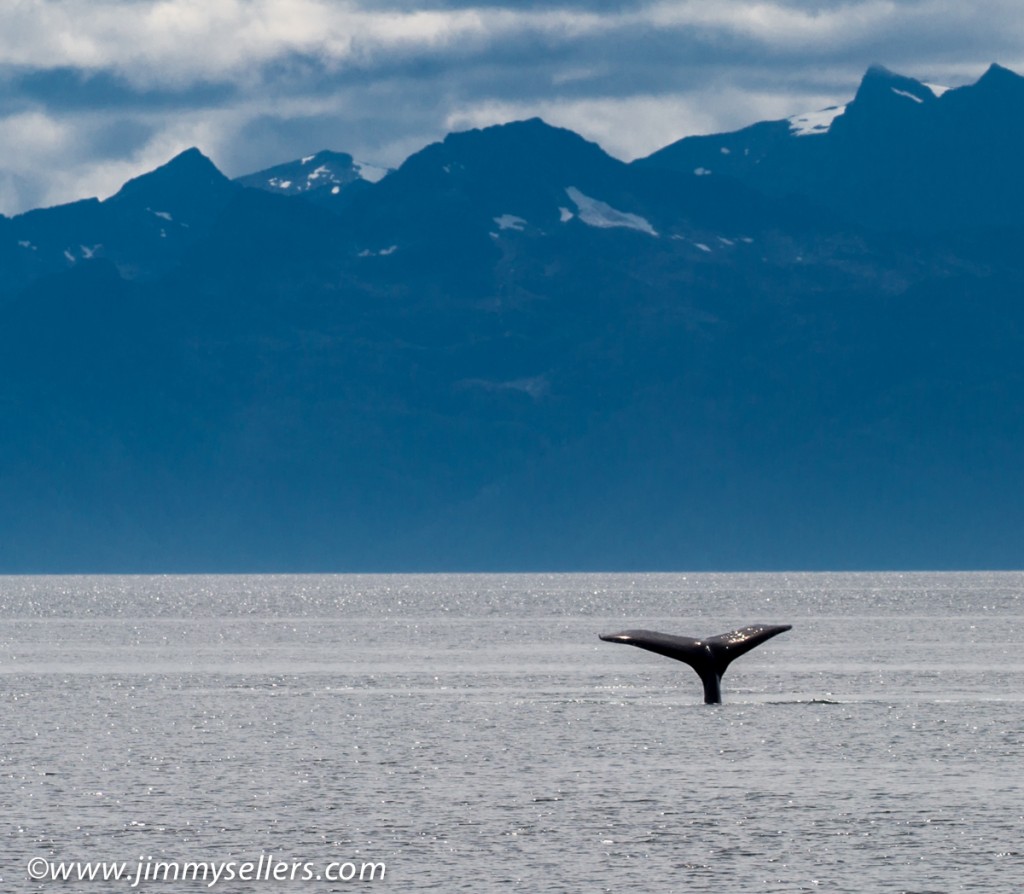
x=472 y=733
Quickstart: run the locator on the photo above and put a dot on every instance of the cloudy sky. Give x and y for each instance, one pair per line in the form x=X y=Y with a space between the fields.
x=93 y=92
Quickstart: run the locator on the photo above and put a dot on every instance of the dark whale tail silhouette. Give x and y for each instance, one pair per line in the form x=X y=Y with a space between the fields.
x=709 y=657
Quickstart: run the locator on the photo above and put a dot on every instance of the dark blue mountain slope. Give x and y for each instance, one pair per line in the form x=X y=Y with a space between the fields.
x=143 y=229
x=518 y=352
x=900 y=155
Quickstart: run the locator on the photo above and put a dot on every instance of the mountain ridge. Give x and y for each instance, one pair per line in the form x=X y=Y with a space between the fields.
x=873 y=159
x=517 y=352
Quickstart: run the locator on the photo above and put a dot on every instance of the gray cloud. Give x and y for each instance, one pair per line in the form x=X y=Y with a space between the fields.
x=66 y=89
x=93 y=92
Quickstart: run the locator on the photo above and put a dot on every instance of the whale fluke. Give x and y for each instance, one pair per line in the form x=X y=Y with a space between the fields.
x=709 y=657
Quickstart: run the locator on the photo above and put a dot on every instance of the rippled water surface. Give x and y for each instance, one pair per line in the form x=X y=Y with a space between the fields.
x=473 y=734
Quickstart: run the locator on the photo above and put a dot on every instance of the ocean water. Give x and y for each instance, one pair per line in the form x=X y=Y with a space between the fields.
x=471 y=733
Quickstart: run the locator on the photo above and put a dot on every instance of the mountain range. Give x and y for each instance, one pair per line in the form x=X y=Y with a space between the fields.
x=797 y=345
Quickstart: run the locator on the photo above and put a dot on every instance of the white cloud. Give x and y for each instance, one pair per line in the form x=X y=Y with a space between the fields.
x=778 y=24
x=43 y=167
x=161 y=40
x=33 y=134
x=182 y=40
x=629 y=127
x=301 y=75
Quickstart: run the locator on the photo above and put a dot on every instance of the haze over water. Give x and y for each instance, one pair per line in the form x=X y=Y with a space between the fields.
x=472 y=733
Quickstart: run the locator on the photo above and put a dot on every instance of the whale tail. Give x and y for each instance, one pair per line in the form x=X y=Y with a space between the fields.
x=708 y=657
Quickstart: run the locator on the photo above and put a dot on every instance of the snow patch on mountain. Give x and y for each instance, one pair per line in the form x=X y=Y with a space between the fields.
x=371 y=173
x=536 y=387
x=510 y=222
x=326 y=171
x=907 y=95
x=596 y=213
x=814 y=123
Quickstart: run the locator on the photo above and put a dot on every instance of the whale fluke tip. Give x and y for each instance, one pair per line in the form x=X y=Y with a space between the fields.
x=612 y=637
x=708 y=657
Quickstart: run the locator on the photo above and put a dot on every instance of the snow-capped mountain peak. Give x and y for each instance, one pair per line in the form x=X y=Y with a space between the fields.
x=814 y=123
x=326 y=173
